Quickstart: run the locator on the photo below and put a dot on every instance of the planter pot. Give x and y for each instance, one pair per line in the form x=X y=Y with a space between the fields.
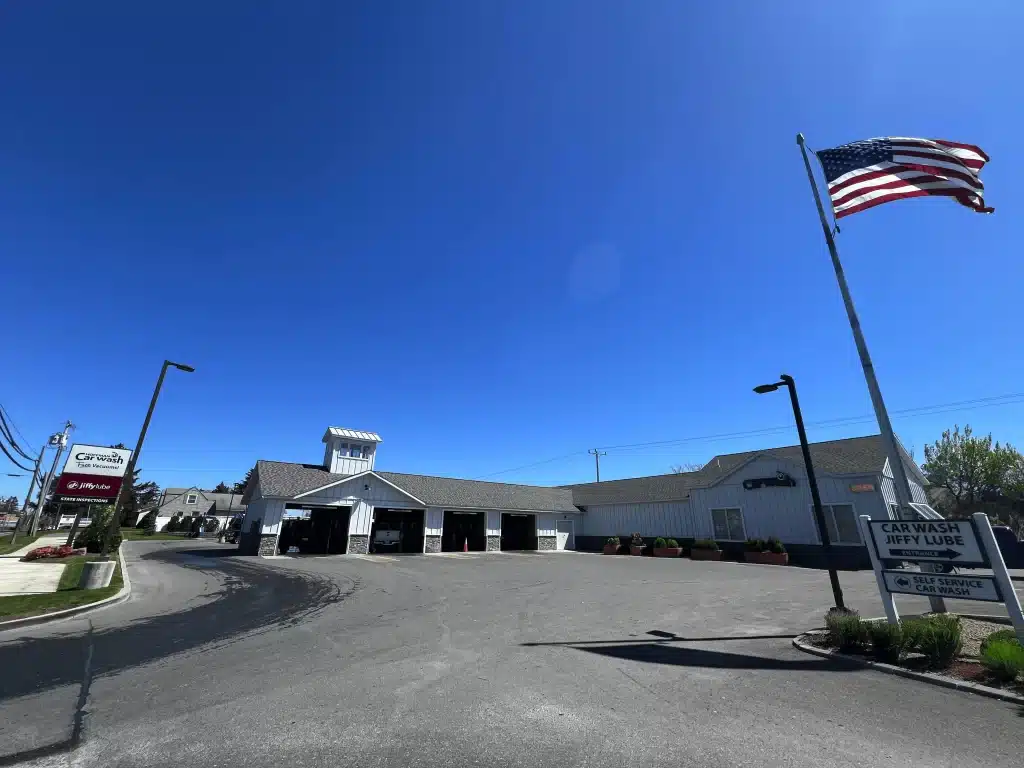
x=611 y=549
x=635 y=550
x=668 y=551
x=705 y=554
x=767 y=558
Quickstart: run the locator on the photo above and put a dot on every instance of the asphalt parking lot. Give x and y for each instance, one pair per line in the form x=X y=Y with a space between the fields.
x=509 y=659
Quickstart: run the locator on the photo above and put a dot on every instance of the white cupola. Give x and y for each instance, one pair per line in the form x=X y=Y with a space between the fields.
x=349 y=451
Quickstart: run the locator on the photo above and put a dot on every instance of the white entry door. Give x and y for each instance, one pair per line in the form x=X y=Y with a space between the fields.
x=564 y=535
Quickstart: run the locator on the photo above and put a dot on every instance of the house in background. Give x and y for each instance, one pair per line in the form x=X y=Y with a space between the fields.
x=195 y=502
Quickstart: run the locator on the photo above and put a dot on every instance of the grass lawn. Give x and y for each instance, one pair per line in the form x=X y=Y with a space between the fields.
x=134 y=534
x=5 y=542
x=68 y=595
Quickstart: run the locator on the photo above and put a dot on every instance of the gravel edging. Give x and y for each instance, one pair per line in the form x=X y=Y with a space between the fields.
x=925 y=677
x=67 y=613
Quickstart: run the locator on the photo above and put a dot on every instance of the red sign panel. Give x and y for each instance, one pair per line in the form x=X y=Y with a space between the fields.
x=78 y=487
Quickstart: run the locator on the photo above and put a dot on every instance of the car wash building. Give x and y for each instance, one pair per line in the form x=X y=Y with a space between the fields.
x=346 y=505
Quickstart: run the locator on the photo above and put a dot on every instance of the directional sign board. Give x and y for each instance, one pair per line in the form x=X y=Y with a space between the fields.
x=943 y=585
x=951 y=541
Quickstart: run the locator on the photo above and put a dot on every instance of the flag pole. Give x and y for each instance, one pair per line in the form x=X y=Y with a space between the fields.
x=901 y=482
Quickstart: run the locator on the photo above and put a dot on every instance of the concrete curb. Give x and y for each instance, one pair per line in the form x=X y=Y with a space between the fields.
x=68 y=613
x=924 y=677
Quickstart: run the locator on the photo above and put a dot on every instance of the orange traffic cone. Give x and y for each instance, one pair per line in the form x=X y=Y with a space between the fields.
x=465 y=545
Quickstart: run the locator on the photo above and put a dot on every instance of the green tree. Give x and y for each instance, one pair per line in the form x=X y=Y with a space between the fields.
x=221 y=488
x=976 y=472
x=240 y=486
x=136 y=498
x=9 y=505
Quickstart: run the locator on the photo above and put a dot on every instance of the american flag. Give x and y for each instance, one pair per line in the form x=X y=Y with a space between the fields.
x=867 y=173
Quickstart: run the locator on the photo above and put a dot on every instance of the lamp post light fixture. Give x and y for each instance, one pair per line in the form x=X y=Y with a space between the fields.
x=819 y=513
x=129 y=473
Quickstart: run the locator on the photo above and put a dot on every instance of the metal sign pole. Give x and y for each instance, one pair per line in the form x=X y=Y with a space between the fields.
x=1002 y=576
x=888 y=603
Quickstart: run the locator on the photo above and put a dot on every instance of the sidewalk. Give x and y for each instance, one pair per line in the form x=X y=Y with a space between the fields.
x=18 y=578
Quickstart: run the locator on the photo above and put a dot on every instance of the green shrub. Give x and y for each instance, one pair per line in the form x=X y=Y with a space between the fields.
x=846 y=631
x=998 y=636
x=659 y=543
x=636 y=540
x=888 y=641
x=940 y=640
x=672 y=543
x=612 y=541
x=91 y=539
x=1004 y=659
x=145 y=520
x=210 y=525
x=705 y=544
x=754 y=545
x=772 y=544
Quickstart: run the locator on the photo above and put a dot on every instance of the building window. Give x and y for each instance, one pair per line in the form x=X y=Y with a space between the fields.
x=841 y=522
x=357 y=452
x=191 y=498
x=728 y=524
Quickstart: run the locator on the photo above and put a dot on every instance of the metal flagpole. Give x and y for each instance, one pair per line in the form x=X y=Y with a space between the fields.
x=901 y=482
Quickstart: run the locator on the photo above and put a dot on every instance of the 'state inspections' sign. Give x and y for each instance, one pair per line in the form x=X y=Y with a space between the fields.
x=946 y=540
x=97 y=460
x=943 y=585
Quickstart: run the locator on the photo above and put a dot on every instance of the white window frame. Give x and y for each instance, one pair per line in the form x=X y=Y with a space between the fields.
x=826 y=509
x=191 y=498
x=743 y=521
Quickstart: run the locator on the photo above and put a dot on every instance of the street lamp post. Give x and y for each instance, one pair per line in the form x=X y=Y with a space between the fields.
x=130 y=471
x=819 y=513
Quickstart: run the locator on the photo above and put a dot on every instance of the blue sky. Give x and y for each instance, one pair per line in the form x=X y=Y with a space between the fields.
x=495 y=233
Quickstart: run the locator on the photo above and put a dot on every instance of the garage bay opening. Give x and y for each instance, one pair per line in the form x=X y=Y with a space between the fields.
x=396 y=531
x=464 y=528
x=518 y=531
x=314 y=530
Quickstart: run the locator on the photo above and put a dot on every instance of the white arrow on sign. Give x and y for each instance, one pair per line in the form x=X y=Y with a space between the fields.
x=942 y=585
x=952 y=541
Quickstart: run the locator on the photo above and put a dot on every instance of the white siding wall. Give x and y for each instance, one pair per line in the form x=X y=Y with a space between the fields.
x=362 y=499
x=545 y=524
x=435 y=521
x=889 y=492
x=493 y=523
x=671 y=518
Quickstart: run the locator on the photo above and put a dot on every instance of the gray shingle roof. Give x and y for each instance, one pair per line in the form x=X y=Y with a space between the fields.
x=855 y=455
x=277 y=478
x=453 y=492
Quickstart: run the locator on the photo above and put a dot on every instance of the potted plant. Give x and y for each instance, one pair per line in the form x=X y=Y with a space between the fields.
x=611 y=545
x=636 y=544
x=774 y=552
x=667 y=548
x=752 y=550
x=705 y=549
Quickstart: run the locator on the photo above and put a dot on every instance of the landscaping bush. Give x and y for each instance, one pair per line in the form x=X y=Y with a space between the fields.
x=146 y=520
x=51 y=553
x=998 y=636
x=659 y=543
x=211 y=524
x=636 y=540
x=176 y=523
x=888 y=641
x=92 y=537
x=705 y=544
x=754 y=545
x=940 y=640
x=672 y=543
x=1003 y=658
x=612 y=541
x=846 y=631
x=772 y=544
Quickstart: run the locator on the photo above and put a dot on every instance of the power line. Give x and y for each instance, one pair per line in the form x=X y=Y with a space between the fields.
x=17 y=431
x=15 y=463
x=5 y=430
x=527 y=466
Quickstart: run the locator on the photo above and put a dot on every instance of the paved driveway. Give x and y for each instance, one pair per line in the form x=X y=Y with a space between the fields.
x=494 y=660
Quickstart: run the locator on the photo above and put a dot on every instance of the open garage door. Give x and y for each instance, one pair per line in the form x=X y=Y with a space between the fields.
x=464 y=528
x=314 y=530
x=396 y=531
x=518 y=531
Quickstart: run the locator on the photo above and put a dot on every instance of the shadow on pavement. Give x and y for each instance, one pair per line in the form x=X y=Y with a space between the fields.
x=669 y=637
x=661 y=653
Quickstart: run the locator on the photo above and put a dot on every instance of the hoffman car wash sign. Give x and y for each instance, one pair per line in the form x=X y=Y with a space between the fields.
x=92 y=474
x=929 y=540
x=958 y=543
x=97 y=460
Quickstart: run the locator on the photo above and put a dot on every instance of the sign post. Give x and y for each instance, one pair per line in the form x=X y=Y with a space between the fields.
x=967 y=543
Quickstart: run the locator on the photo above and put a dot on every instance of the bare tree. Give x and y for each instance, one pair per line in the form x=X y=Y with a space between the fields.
x=687 y=466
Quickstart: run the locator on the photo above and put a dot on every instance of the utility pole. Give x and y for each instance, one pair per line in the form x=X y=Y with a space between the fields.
x=597 y=460
x=31 y=487
x=60 y=440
